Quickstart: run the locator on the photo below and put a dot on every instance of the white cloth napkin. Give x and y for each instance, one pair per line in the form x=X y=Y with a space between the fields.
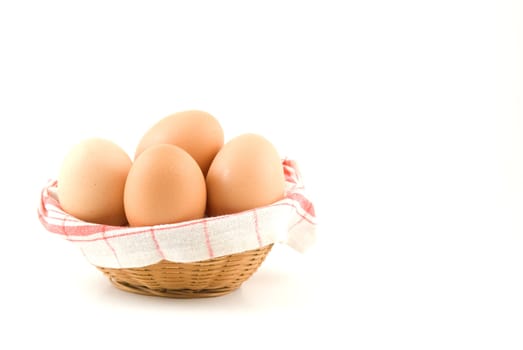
x=291 y=221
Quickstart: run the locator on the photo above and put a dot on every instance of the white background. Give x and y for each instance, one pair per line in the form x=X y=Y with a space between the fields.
x=406 y=120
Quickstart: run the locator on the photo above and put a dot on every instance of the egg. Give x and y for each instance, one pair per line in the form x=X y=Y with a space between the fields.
x=165 y=185
x=91 y=182
x=246 y=173
x=197 y=132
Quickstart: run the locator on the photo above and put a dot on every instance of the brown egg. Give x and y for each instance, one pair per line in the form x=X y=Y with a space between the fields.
x=197 y=132
x=91 y=182
x=165 y=185
x=245 y=174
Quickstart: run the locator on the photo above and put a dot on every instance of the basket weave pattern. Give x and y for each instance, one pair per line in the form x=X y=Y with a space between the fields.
x=208 y=278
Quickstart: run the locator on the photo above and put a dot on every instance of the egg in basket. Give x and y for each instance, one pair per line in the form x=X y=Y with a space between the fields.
x=190 y=217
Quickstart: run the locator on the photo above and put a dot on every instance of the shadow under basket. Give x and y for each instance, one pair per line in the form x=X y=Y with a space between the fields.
x=201 y=279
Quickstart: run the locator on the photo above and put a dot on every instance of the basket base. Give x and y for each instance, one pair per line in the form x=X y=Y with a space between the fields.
x=202 y=279
x=173 y=293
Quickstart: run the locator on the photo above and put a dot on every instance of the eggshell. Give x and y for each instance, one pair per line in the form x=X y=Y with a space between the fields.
x=197 y=132
x=245 y=174
x=91 y=182
x=165 y=185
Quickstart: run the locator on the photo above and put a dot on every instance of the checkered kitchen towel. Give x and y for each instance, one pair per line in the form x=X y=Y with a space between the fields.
x=291 y=220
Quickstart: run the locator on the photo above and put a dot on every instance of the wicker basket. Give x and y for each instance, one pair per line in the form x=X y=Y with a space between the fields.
x=202 y=279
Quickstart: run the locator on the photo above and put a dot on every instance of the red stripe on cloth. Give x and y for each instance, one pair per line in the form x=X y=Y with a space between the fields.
x=288 y=176
x=256 y=227
x=304 y=203
x=158 y=249
x=71 y=239
x=41 y=204
x=82 y=231
x=305 y=217
x=289 y=171
x=207 y=240
x=110 y=246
